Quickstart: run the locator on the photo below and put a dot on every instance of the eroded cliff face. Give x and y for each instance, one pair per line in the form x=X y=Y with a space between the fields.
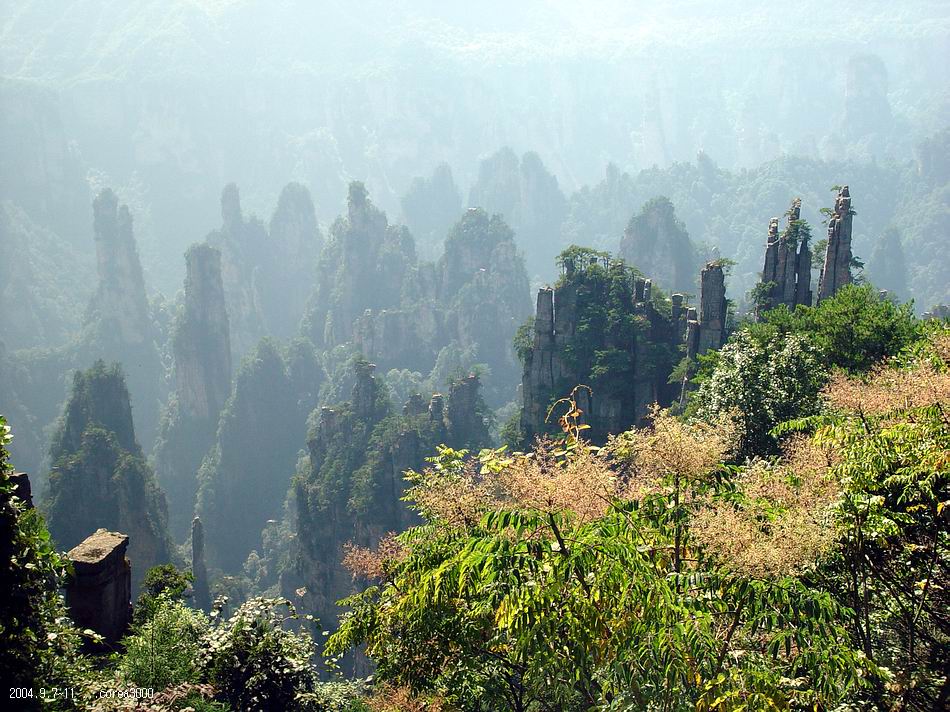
x=473 y=299
x=603 y=327
x=288 y=275
x=836 y=270
x=99 y=477
x=351 y=488
x=363 y=266
x=243 y=245
x=786 y=276
x=657 y=244
x=244 y=478
x=118 y=325
x=202 y=350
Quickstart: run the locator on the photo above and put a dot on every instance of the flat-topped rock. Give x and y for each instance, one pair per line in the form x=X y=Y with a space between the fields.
x=22 y=488
x=98 y=547
x=99 y=591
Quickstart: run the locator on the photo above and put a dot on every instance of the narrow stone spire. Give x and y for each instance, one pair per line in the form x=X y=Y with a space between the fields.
x=836 y=271
x=120 y=300
x=202 y=342
x=202 y=597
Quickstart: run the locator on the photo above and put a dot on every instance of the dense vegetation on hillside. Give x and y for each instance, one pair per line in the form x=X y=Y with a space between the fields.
x=653 y=574
x=99 y=478
x=496 y=379
x=739 y=555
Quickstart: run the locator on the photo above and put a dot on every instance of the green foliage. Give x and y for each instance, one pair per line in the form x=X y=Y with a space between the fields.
x=248 y=661
x=760 y=384
x=524 y=338
x=773 y=371
x=163 y=649
x=38 y=647
x=163 y=582
x=618 y=346
x=761 y=296
x=890 y=437
x=540 y=609
x=818 y=251
x=256 y=663
x=512 y=435
x=99 y=396
x=582 y=258
x=852 y=330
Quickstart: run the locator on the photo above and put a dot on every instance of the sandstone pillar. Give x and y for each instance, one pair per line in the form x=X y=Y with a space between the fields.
x=99 y=592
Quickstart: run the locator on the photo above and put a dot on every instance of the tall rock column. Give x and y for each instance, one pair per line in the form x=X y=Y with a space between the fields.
x=202 y=340
x=99 y=590
x=198 y=569
x=712 y=307
x=836 y=271
x=466 y=428
x=120 y=298
x=244 y=248
x=538 y=375
x=202 y=347
x=118 y=326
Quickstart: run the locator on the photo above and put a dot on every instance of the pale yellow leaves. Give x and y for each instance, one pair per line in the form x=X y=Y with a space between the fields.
x=785 y=520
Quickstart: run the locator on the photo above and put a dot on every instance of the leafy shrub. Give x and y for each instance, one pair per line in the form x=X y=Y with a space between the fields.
x=38 y=646
x=257 y=664
x=761 y=384
x=853 y=330
x=164 y=650
x=164 y=582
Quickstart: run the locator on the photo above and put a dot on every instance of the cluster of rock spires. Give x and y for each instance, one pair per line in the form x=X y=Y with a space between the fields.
x=352 y=484
x=549 y=374
x=786 y=276
x=266 y=270
x=786 y=279
x=374 y=293
x=787 y=272
x=527 y=196
x=228 y=450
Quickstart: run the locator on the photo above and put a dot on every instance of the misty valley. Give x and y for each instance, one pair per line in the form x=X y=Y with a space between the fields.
x=382 y=356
